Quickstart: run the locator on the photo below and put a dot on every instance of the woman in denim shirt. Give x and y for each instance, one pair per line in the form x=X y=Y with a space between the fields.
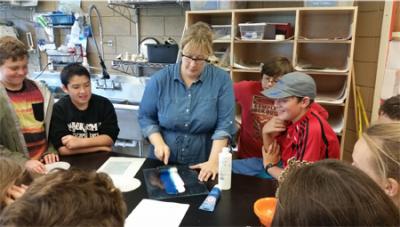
x=187 y=110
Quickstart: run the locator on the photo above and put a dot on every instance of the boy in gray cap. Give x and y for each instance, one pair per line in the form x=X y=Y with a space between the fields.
x=297 y=131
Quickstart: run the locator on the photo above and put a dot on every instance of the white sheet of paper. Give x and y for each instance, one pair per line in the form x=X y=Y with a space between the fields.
x=122 y=166
x=156 y=213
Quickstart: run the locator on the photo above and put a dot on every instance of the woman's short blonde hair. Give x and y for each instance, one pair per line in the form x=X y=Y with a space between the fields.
x=198 y=36
x=384 y=142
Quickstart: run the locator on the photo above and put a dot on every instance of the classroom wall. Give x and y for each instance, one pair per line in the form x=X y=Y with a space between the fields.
x=366 y=52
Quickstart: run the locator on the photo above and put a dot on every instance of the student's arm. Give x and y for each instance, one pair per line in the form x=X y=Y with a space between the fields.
x=272 y=129
x=17 y=156
x=109 y=123
x=271 y=155
x=58 y=126
x=65 y=151
x=271 y=150
x=73 y=142
x=33 y=166
x=321 y=140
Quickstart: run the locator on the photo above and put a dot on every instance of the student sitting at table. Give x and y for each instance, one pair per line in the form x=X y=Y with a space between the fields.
x=298 y=131
x=187 y=110
x=11 y=172
x=331 y=193
x=377 y=153
x=68 y=198
x=82 y=122
x=390 y=110
x=256 y=110
x=25 y=110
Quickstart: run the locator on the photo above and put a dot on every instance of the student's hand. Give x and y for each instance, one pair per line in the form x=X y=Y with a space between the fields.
x=50 y=158
x=13 y=193
x=105 y=148
x=162 y=152
x=70 y=141
x=274 y=127
x=35 y=166
x=271 y=154
x=207 y=169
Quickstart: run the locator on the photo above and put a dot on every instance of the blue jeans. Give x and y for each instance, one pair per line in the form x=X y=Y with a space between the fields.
x=250 y=167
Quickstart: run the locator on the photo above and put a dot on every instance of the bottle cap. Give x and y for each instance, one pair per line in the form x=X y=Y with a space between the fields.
x=217 y=186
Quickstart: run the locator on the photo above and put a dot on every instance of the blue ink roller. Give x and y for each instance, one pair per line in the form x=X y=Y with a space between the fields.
x=171 y=180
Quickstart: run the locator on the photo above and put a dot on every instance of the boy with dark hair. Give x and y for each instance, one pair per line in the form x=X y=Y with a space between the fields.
x=298 y=131
x=68 y=198
x=390 y=109
x=25 y=110
x=82 y=122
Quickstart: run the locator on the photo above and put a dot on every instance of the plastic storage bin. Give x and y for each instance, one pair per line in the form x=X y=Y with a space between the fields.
x=216 y=4
x=324 y=3
x=221 y=32
x=57 y=19
x=252 y=31
x=162 y=53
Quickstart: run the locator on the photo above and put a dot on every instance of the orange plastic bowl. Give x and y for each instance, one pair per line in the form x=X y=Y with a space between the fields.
x=264 y=208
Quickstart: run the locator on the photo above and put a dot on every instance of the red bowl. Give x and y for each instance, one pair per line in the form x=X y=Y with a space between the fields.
x=264 y=208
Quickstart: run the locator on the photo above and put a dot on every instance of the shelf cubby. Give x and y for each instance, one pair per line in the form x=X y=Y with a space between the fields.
x=326 y=24
x=321 y=56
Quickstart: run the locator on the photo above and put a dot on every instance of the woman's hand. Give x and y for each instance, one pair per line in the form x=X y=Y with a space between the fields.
x=162 y=152
x=14 y=192
x=207 y=169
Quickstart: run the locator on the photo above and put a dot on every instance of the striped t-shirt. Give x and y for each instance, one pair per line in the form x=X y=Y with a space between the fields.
x=28 y=104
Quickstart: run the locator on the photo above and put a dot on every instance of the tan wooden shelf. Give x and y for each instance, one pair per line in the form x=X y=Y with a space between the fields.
x=324 y=41
x=264 y=41
x=222 y=41
x=246 y=70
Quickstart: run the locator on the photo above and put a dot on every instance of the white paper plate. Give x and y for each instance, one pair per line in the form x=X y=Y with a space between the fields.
x=55 y=165
x=125 y=184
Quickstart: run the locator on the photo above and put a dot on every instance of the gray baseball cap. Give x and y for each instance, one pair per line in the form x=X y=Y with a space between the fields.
x=292 y=84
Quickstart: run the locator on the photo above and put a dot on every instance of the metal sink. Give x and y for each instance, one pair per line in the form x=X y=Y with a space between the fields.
x=130 y=92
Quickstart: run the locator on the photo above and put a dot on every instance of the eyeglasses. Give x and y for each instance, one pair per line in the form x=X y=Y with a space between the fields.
x=270 y=79
x=196 y=60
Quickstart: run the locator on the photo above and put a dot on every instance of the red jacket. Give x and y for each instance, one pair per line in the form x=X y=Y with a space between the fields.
x=311 y=138
x=256 y=111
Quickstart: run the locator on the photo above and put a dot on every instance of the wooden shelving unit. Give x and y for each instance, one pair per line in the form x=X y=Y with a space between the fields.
x=322 y=45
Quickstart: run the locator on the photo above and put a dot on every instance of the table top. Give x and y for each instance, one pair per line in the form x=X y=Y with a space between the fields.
x=234 y=208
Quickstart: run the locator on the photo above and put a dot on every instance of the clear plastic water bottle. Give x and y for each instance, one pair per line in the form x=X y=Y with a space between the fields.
x=75 y=31
x=225 y=169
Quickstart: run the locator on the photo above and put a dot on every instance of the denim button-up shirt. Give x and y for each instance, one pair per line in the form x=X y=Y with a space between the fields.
x=188 y=118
